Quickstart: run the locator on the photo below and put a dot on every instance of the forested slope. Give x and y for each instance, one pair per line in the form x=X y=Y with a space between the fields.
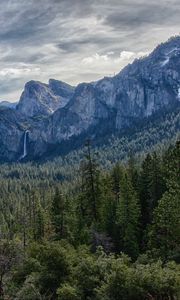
x=103 y=235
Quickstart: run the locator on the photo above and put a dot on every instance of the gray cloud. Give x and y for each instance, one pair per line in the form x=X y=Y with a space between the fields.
x=140 y=13
x=57 y=38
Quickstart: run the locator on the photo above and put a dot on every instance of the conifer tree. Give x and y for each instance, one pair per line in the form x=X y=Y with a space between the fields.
x=116 y=175
x=165 y=231
x=109 y=205
x=90 y=197
x=58 y=211
x=128 y=217
x=38 y=220
x=144 y=183
x=132 y=172
x=156 y=184
x=152 y=187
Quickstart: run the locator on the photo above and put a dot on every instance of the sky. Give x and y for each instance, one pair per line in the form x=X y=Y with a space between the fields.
x=77 y=40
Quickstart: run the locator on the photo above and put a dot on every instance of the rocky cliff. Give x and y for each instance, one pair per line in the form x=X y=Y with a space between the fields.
x=148 y=85
x=44 y=99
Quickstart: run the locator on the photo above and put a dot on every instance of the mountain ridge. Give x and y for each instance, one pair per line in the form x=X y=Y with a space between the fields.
x=54 y=113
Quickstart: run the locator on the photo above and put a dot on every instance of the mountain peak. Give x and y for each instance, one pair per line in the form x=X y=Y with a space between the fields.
x=61 y=88
x=44 y=99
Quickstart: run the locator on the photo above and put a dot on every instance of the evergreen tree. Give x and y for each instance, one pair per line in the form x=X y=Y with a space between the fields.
x=144 y=183
x=133 y=172
x=156 y=184
x=40 y=222
x=58 y=212
x=128 y=216
x=171 y=166
x=116 y=175
x=165 y=232
x=151 y=187
x=90 y=196
x=109 y=205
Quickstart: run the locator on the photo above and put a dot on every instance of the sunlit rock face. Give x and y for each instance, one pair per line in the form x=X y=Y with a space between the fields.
x=54 y=113
x=44 y=99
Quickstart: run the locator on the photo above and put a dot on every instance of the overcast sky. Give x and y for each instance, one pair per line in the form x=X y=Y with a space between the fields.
x=77 y=40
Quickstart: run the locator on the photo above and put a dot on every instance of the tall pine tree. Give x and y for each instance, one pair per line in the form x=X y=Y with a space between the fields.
x=128 y=218
x=58 y=214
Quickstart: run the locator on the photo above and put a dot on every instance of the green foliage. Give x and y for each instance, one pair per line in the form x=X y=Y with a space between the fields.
x=69 y=239
x=29 y=289
x=151 y=281
x=165 y=231
x=58 y=215
x=67 y=292
x=152 y=186
x=98 y=276
x=166 y=227
x=90 y=198
x=128 y=218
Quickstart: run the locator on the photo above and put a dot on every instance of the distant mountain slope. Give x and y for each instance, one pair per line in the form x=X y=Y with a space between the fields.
x=58 y=116
x=8 y=104
x=156 y=131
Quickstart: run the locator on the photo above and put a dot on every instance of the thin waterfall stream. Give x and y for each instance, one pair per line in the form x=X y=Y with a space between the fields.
x=24 y=145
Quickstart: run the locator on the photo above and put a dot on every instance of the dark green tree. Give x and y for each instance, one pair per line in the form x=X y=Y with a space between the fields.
x=90 y=195
x=58 y=214
x=151 y=188
x=128 y=218
x=165 y=231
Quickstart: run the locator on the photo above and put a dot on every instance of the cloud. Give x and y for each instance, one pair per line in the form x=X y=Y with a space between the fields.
x=18 y=72
x=129 y=56
x=126 y=55
x=105 y=62
x=95 y=58
x=77 y=40
x=140 y=13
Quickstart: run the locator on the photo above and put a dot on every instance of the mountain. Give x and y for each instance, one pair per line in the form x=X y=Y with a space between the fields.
x=8 y=104
x=44 y=99
x=58 y=116
x=11 y=133
x=142 y=88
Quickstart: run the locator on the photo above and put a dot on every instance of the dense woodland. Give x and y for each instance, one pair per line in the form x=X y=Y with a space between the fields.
x=88 y=231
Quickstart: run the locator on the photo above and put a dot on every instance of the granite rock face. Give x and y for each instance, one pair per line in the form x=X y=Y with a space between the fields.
x=144 y=87
x=12 y=126
x=44 y=99
x=56 y=113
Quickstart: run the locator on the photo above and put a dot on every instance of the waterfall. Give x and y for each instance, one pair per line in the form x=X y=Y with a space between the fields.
x=25 y=145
